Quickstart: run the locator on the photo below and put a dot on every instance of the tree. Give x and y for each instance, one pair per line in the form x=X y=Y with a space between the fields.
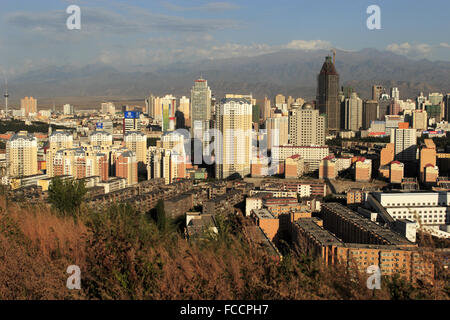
x=66 y=195
x=161 y=220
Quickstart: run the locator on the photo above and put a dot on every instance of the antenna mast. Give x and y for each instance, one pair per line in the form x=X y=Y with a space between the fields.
x=334 y=55
x=6 y=95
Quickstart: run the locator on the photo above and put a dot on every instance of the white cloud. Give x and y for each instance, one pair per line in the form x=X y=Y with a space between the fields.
x=412 y=50
x=444 y=45
x=309 y=45
x=211 y=6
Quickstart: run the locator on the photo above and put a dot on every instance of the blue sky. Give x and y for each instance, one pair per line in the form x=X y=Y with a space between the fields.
x=131 y=33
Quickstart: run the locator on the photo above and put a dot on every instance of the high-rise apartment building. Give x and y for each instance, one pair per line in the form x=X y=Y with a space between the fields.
x=169 y=107
x=21 y=155
x=137 y=143
x=184 y=107
x=126 y=166
x=166 y=163
x=405 y=144
x=353 y=112
x=28 y=105
x=306 y=127
x=327 y=95
x=370 y=112
x=101 y=138
x=233 y=153
x=80 y=163
x=58 y=140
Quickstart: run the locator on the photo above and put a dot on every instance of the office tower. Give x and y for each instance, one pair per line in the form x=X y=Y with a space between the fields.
x=126 y=166
x=420 y=120
x=200 y=108
x=435 y=98
x=370 y=112
x=277 y=131
x=68 y=109
x=101 y=138
x=108 y=108
x=395 y=94
x=58 y=140
x=377 y=90
x=28 y=105
x=327 y=95
x=184 y=107
x=137 y=143
x=306 y=127
x=131 y=121
x=169 y=106
x=405 y=144
x=447 y=107
x=21 y=155
x=233 y=153
x=173 y=141
x=384 y=104
x=353 y=112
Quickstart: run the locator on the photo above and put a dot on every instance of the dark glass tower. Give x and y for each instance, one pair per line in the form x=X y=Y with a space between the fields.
x=327 y=95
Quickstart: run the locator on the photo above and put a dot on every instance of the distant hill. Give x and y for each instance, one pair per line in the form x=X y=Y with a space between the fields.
x=291 y=72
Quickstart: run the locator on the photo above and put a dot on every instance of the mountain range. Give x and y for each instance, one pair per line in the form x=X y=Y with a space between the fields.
x=290 y=72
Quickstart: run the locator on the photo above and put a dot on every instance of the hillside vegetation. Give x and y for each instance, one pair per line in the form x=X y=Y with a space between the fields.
x=124 y=255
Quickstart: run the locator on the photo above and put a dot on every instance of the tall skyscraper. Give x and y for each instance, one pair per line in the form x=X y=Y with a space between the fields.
x=200 y=107
x=353 y=112
x=306 y=127
x=327 y=94
x=233 y=153
x=370 y=112
x=28 y=105
x=21 y=155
